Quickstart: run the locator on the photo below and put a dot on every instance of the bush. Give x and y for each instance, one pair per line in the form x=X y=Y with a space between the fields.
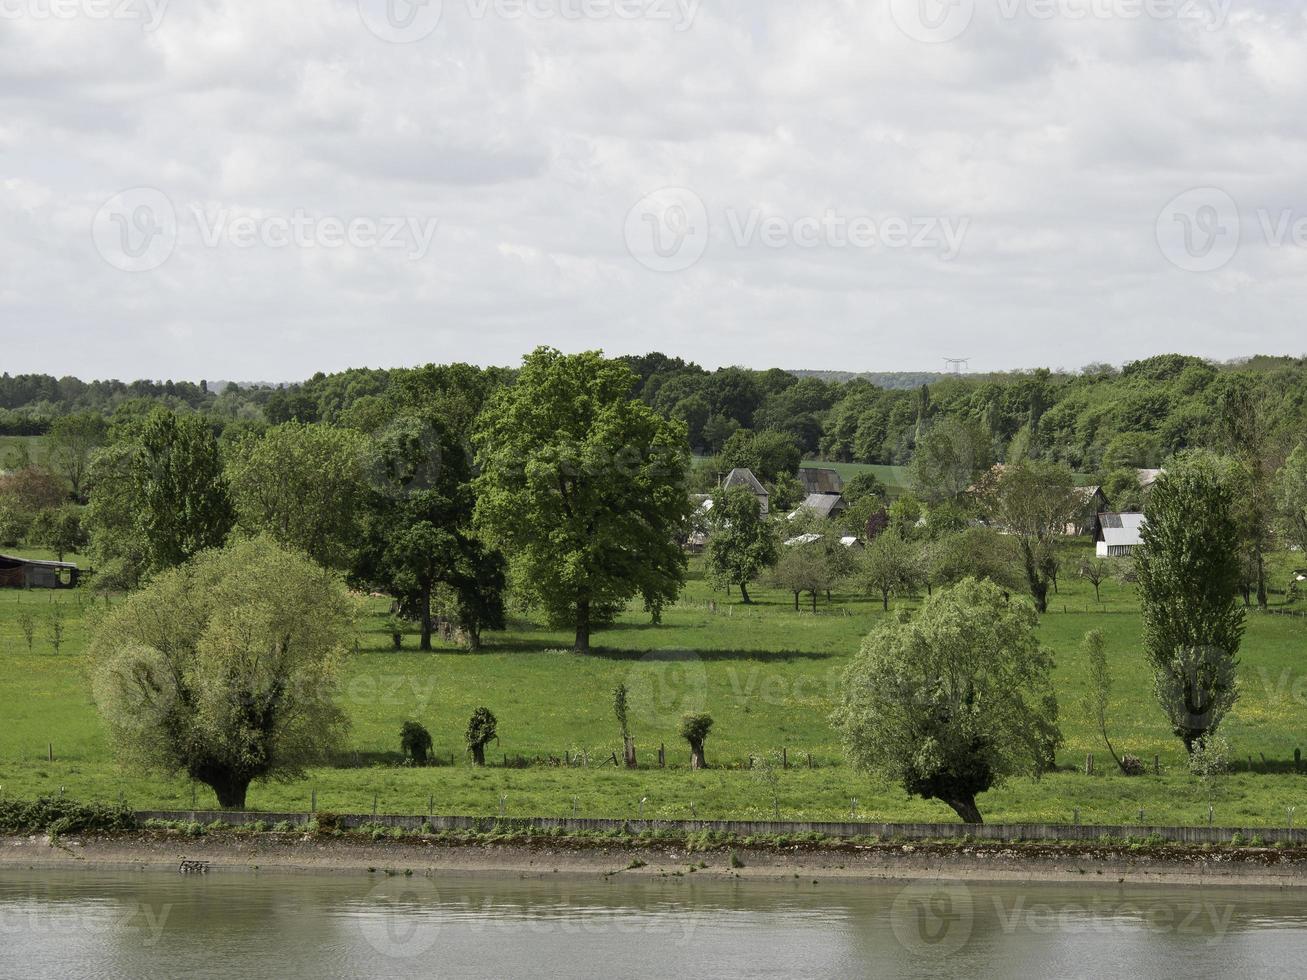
x=482 y=728
x=1132 y=765
x=415 y=742
x=56 y=816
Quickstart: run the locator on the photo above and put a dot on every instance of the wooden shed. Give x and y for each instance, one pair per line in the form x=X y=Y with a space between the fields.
x=29 y=573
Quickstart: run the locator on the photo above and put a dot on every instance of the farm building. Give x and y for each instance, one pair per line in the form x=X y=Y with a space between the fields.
x=818 y=480
x=27 y=573
x=1095 y=503
x=1117 y=535
x=743 y=477
x=822 y=504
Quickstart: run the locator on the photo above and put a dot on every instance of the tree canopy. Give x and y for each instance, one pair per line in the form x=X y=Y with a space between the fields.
x=950 y=702
x=224 y=669
x=584 y=489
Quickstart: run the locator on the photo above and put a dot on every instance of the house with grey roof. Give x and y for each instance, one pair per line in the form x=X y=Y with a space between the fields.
x=822 y=504
x=1117 y=535
x=743 y=477
x=816 y=479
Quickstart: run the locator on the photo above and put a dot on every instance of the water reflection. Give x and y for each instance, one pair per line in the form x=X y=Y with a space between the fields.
x=236 y=925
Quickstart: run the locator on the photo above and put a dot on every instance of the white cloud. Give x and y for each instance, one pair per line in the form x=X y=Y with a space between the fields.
x=530 y=139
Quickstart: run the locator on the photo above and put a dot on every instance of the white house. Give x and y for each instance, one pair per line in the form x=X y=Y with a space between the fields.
x=1117 y=535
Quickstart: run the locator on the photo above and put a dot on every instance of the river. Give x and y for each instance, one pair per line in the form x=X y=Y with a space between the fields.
x=227 y=925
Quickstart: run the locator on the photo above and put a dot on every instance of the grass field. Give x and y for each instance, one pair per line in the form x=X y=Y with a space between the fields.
x=767 y=675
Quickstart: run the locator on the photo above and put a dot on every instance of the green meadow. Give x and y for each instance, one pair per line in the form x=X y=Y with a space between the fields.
x=766 y=674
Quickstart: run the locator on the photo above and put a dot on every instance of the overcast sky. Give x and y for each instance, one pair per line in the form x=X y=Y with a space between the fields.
x=264 y=190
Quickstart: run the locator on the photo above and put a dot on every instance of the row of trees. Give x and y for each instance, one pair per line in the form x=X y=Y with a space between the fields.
x=561 y=482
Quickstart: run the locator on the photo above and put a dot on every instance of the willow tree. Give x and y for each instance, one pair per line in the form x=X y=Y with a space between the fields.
x=223 y=669
x=584 y=489
x=950 y=702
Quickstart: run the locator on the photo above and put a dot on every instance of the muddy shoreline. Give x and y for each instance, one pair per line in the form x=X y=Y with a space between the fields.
x=356 y=854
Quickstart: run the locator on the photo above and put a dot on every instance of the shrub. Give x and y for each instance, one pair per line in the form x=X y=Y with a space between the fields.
x=694 y=729
x=57 y=816
x=482 y=728
x=1132 y=765
x=415 y=742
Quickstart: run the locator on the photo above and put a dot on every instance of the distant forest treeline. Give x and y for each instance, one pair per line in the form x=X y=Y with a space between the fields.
x=1095 y=420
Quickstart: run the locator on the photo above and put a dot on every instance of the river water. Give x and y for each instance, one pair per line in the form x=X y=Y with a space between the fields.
x=227 y=925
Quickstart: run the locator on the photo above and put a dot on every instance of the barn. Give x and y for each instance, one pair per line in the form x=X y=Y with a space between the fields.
x=28 y=573
x=1117 y=535
x=816 y=479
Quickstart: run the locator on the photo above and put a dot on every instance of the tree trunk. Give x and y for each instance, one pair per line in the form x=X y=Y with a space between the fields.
x=473 y=638
x=884 y=599
x=796 y=602
x=964 y=805
x=744 y=594
x=426 y=621
x=1040 y=594
x=478 y=755
x=814 y=600
x=628 y=753
x=1262 y=598
x=697 y=760
x=229 y=789
x=583 y=626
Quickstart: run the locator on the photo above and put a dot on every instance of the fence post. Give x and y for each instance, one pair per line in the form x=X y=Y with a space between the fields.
x=313 y=801
x=785 y=758
x=374 y=804
x=1157 y=765
x=1089 y=764
x=50 y=750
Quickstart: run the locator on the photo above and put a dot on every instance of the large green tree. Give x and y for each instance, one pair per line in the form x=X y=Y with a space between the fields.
x=71 y=441
x=1033 y=502
x=417 y=534
x=889 y=566
x=305 y=485
x=950 y=702
x=1189 y=575
x=223 y=669
x=1291 y=497
x=159 y=496
x=184 y=504
x=584 y=488
x=742 y=543
x=950 y=455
